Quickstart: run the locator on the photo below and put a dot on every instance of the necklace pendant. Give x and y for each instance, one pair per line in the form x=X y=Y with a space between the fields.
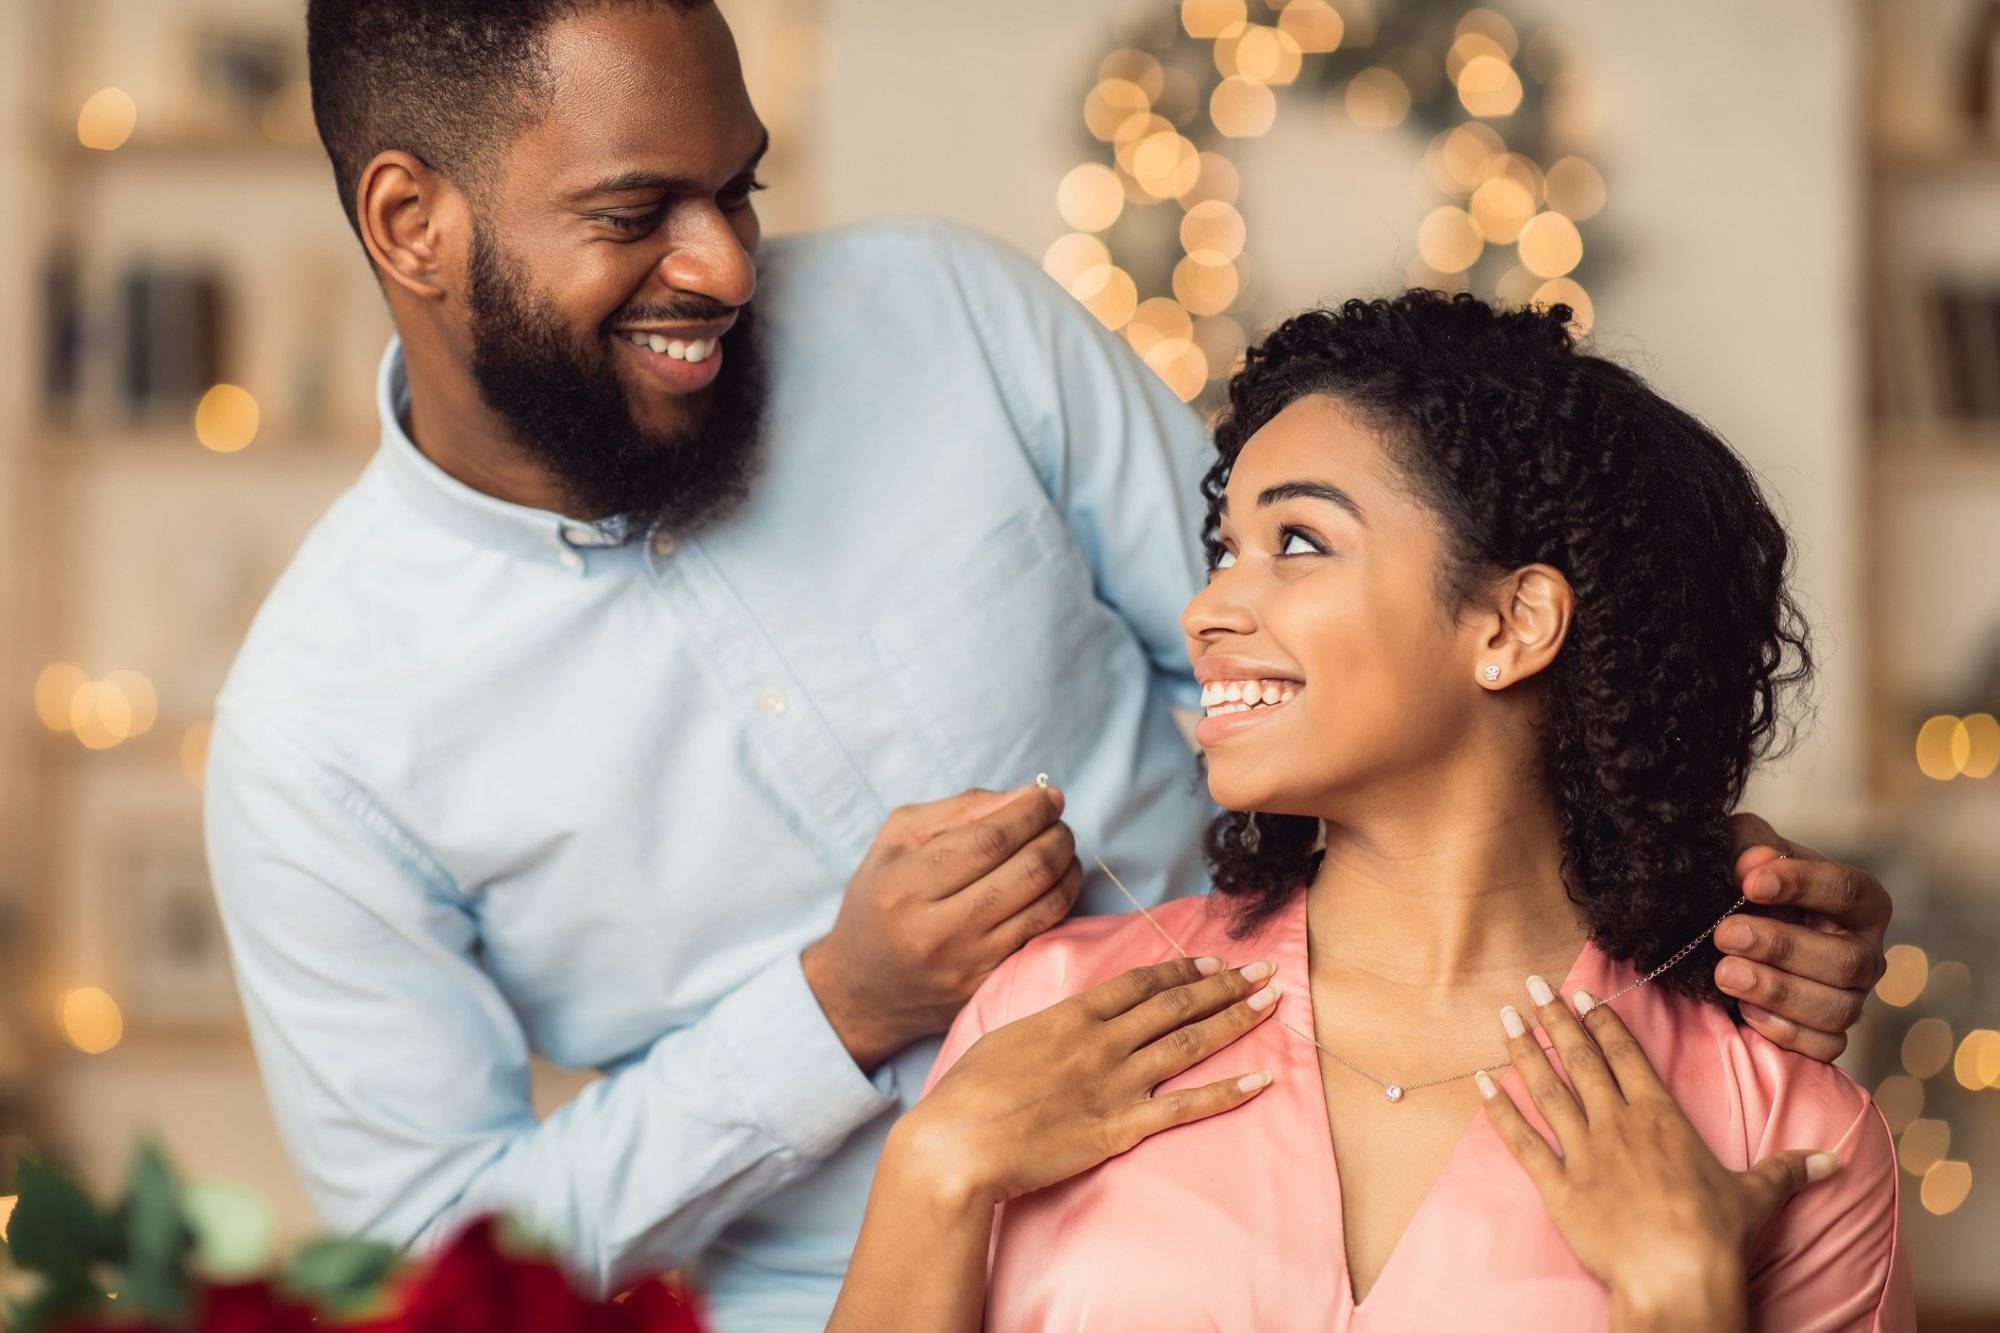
x=1393 y=1092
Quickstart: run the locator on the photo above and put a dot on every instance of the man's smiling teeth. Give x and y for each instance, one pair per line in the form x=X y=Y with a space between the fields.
x=1240 y=696
x=697 y=350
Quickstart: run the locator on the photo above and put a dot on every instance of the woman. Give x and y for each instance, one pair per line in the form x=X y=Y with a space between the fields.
x=1492 y=638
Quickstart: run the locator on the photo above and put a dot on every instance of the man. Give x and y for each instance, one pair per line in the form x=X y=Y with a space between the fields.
x=606 y=716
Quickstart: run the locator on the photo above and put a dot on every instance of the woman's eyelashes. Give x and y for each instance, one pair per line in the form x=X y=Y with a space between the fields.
x=1290 y=542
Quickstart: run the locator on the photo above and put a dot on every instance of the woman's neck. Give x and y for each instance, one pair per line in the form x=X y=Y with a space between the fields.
x=1456 y=886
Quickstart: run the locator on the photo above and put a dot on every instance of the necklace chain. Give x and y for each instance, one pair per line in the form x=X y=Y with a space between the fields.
x=1392 y=1090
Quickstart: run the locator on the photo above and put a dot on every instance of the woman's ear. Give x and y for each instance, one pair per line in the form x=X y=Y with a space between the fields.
x=1530 y=615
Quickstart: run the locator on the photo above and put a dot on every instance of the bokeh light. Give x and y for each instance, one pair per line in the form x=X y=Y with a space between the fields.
x=1448 y=240
x=1090 y=197
x=1922 y=1144
x=1206 y=289
x=1943 y=746
x=1242 y=109
x=1906 y=970
x=55 y=689
x=1211 y=18
x=1901 y=1099
x=1575 y=189
x=1212 y=233
x=1501 y=207
x=1377 y=99
x=1982 y=746
x=142 y=702
x=1926 y=1047
x=1977 y=1064
x=1945 y=1186
x=107 y=120
x=226 y=419
x=90 y=1020
x=1111 y=103
x=1550 y=245
x=1141 y=68
x=1314 y=24
x=1071 y=256
x=1109 y=293
x=1488 y=86
x=1215 y=178
x=1569 y=292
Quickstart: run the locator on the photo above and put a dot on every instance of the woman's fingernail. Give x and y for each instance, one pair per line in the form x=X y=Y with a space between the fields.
x=1265 y=998
x=1252 y=1082
x=1585 y=1002
x=1821 y=1165
x=1208 y=967
x=1539 y=992
x=1486 y=1086
x=1510 y=1018
x=1258 y=971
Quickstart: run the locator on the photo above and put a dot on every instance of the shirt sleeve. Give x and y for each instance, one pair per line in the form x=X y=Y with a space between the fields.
x=399 y=1073
x=1117 y=451
x=1832 y=1259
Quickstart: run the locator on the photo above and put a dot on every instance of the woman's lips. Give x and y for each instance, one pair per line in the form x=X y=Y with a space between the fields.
x=1229 y=717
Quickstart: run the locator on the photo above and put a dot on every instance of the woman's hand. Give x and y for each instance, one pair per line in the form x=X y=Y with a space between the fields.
x=1641 y=1200
x=1051 y=1095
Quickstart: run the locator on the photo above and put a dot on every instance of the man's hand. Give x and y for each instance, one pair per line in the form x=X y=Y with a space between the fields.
x=1800 y=977
x=948 y=890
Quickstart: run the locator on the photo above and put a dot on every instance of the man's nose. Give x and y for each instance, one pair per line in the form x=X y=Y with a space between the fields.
x=709 y=259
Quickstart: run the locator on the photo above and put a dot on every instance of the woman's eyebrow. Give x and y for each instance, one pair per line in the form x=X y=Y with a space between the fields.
x=1312 y=490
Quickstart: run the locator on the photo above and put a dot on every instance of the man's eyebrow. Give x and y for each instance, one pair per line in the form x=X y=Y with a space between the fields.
x=657 y=182
x=1311 y=490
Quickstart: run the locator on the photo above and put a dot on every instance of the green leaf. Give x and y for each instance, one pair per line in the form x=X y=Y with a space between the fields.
x=158 y=1238
x=233 y=1229
x=56 y=1230
x=340 y=1274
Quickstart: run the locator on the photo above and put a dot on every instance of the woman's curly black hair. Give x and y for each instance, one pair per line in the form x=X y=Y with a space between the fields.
x=1685 y=637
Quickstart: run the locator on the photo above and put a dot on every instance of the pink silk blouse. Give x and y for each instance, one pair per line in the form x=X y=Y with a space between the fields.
x=1233 y=1223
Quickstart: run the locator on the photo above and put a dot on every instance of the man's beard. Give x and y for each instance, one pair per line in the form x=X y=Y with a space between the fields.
x=567 y=407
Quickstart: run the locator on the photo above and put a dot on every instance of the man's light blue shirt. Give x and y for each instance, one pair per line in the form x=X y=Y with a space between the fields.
x=486 y=781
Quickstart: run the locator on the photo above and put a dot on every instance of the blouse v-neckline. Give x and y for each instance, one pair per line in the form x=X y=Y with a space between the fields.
x=1305 y=1079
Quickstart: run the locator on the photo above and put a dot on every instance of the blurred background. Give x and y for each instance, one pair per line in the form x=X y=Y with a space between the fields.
x=1788 y=218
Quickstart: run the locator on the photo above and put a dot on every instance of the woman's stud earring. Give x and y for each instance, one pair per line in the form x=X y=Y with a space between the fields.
x=1491 y=671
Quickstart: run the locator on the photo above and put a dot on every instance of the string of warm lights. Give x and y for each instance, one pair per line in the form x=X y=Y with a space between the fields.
x=1929 y=1048
x=1190 y=77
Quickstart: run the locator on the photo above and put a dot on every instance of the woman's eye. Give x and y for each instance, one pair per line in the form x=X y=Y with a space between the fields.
x=1297 y=543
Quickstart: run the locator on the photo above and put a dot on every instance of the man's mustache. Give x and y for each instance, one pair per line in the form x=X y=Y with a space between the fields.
x=676 y=312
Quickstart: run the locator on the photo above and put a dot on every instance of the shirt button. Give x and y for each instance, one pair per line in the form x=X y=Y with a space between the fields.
x=663 y=543
x=570 y=559
x=772 y=702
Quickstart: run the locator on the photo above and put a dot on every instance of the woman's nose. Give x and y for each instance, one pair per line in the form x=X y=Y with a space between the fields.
x=1218 y=609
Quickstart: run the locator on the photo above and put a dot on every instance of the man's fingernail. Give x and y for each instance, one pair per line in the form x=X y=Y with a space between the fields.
x=1751 y=1013
x=1821 y=1165
x=1763 y=885
x=1734 y=974
x=1208 y=967
x=1539 y=992
x=1510 y=1018
x=1735 y=934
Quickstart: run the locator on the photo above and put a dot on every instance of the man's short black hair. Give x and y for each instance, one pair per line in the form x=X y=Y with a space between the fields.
x=452 y=81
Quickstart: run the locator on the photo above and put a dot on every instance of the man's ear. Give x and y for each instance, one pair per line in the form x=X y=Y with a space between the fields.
x=413 y=222
x=1528 y=618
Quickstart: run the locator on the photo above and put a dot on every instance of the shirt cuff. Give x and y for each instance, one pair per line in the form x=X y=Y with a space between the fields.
x=771 y=1036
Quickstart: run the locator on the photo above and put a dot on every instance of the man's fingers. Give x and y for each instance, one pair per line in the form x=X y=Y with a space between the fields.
x=963 y=854
x=1850 y=898
x=1807 y=1003
x=925 y=820
x=1781 y=1175
x=1020 y=881
x=1838 y=960
x=1824 y=1047
x=1749 y=833
x=1044 y=912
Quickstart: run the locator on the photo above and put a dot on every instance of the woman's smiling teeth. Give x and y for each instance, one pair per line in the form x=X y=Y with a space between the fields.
x=1240 y=696
x=697 y=350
